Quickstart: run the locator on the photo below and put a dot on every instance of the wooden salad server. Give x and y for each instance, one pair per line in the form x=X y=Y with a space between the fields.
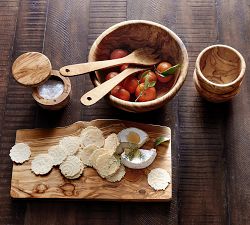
x=142 y=56
x=100 y=91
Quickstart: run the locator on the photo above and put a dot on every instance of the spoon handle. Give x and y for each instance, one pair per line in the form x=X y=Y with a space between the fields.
x=77 y=69
x=100 y=91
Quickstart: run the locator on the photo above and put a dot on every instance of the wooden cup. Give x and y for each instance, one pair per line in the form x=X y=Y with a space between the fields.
x=219 y=71
x=59 y=102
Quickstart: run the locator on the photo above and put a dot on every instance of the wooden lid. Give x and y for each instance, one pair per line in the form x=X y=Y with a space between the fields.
x=31 y=69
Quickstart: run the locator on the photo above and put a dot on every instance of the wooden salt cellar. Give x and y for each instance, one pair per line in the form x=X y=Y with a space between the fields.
x=59 y=102
x=33 y=69
x=218 y=74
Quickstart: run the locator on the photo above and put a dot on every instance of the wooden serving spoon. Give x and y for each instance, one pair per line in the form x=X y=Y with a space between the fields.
x=143 y=56
x=100 y=91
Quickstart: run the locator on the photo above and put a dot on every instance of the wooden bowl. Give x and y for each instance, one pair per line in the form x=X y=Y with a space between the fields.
x=134 y=34
x=213 y=97
x=59 y=102
x=220 y=69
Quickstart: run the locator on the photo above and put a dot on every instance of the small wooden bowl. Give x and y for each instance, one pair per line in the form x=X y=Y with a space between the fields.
x=220 y=70
x=59 y=102
x=134 y=34
x=213 y=97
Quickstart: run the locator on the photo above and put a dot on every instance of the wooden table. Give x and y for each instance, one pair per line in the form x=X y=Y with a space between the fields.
x=211 y=154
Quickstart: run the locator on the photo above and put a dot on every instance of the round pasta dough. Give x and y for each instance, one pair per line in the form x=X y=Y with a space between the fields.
x=71 y=166
x=92 y=136
x=85 y=153
x=111 y=142
x=20 y=153
x=94 y=156
x=159 y=179
x=71 y=144
x=42 y=164
x=118 y=175
x=58 y=153
x=107 y=165
x=77 y=175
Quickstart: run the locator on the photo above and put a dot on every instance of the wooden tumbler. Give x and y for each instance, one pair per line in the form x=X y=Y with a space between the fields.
x=219 y=71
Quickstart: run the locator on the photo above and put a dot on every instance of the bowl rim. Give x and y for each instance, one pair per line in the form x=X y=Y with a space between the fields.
x=182 y=75
x=242 y=66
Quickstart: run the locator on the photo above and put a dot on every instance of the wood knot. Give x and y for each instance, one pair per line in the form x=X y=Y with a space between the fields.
x=68 y=189
x=133 y=175
x=40 y=188
x=142 y=191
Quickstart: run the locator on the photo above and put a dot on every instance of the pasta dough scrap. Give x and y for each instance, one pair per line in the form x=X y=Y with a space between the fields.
x=159 y=179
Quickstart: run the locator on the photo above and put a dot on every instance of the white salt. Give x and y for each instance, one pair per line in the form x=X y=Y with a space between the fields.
x=51 y=89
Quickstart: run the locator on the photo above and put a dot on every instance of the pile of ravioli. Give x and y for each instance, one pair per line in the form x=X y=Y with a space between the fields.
x=89 y=149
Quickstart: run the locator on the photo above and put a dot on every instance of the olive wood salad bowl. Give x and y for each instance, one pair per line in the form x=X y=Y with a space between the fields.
x=132 y=35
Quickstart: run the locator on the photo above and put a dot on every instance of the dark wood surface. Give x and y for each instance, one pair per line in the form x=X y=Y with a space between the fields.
x=210 y=149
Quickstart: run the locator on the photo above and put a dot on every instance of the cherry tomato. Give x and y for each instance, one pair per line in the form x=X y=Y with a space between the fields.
x=121 y=93
x=110 y=75
x=124 y=66
x=150 y=75
x=147 y=95
x=163 y=66
x=130 y=84
x=118 y=53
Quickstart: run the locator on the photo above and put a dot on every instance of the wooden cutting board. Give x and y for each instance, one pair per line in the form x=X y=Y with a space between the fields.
x=133 y=187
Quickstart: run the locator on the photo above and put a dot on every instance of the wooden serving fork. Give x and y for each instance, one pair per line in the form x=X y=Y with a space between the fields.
x=100 y=91
x=143 y=56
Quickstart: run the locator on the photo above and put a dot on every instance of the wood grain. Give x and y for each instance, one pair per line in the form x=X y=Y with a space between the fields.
x=156 y=214
x=237 y=120
x=31 y=69
x=201 y=145
x=64 y=19
x=219 y=72
x=210 y=143
x=220 y=65
x=11 y=213
x=133 y=187
x=211 y=96
x=19 y=108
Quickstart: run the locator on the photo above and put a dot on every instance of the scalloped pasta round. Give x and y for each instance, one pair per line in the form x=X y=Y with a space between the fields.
x=85 y=154
x=107 y=165
x=71 y=166
x=118 y=175
x=92 y=136
x=42 y=164
x=71 y=144
x=94 y=156
x=78 y=174
x=159 y=179
x=58 y=153
x=20 y=153
x=111 y=142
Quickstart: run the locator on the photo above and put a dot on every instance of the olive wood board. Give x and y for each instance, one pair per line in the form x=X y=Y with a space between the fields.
x=90 y=186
